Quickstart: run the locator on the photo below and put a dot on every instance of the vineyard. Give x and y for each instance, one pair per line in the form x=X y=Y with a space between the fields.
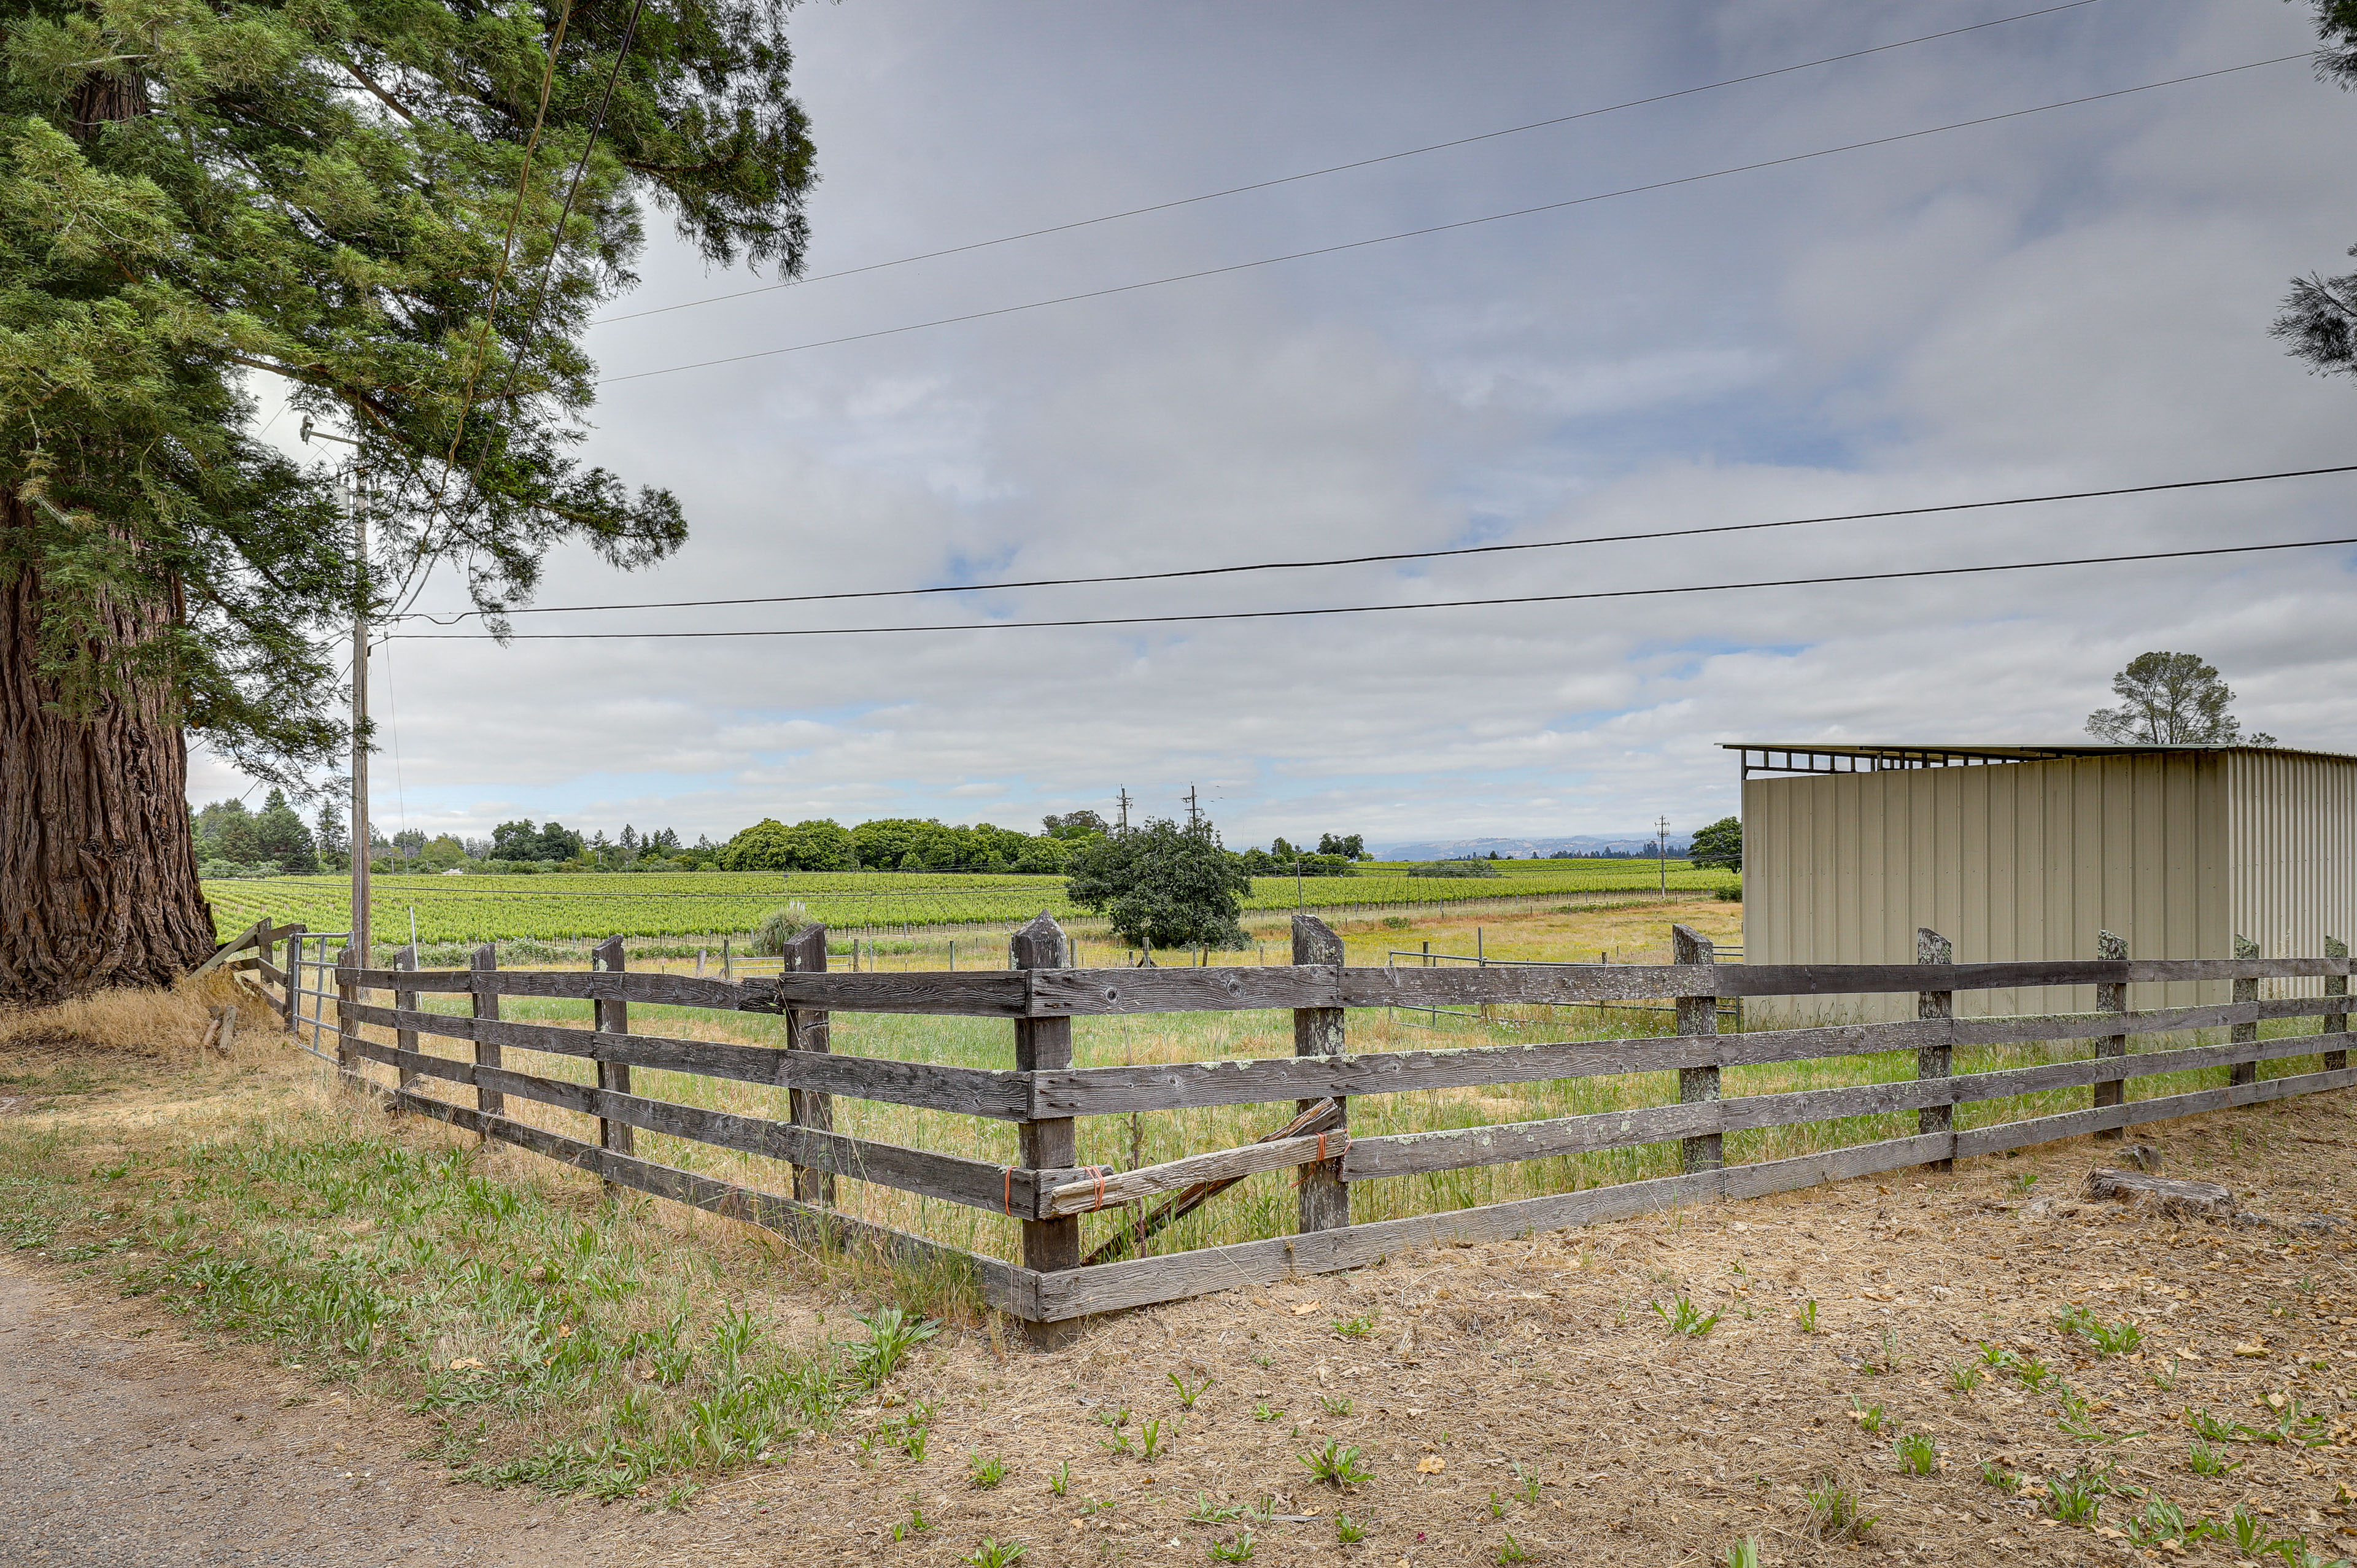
x=715 y=903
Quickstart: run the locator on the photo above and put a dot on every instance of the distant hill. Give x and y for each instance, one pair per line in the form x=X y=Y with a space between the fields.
x=1522 y=849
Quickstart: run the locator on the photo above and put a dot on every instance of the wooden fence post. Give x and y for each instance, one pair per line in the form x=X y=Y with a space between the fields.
x=807 y=1030
x=294 y=976
x=1940 y=1060
x=2338 y=1024
x=1697 y=1016
x=2244 y=1034
x=348 y=1029
x=1045 y=1044
x=2110 y=999
x=1317 y=1031
x=482 y=960
x=613 y=1017
x=404 y=1000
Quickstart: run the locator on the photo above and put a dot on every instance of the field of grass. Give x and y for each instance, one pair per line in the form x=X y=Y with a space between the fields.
x=717 y=904
x=1263 y=1206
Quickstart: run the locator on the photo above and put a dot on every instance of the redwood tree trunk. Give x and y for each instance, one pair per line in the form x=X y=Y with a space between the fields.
x=98 y=871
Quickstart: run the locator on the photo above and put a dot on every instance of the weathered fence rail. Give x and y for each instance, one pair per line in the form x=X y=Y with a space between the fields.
x=1044 y=1094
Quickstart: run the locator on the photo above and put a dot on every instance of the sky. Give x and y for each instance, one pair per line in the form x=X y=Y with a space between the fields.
x=2071 y=299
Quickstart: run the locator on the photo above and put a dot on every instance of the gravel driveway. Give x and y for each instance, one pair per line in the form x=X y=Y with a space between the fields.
x=124 y=1444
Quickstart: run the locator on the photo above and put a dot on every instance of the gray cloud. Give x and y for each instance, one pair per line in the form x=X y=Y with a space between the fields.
x=2066 y=301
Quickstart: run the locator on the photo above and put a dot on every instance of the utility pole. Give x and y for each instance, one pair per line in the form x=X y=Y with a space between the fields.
x=1194 y=813
x=356 y=510
x=1661 y=848
x=1125 y=807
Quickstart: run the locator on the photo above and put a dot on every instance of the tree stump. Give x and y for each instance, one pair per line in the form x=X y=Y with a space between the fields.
x=2162 y=1195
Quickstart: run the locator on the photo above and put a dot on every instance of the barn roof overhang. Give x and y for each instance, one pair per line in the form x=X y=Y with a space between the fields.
x=1827 y=757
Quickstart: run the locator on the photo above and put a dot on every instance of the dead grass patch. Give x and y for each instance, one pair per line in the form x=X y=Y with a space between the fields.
x=140 y=1021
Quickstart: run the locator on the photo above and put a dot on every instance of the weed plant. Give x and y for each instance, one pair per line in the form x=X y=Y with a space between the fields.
x=1834 y=1512
x=992 y=1553
x=1916 y=1454
x=1685 y=1319
x=2075 y=1498
x=2204 y=1460
x=1337 y=1465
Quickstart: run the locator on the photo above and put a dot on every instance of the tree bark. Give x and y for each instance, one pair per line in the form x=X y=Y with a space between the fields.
x=98 y=870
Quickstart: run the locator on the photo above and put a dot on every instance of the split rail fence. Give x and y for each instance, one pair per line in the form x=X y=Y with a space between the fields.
x=1043 y=1093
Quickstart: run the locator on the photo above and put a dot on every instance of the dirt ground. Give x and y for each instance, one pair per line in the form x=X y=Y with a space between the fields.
x=125 y=1444
x=1517 y=1398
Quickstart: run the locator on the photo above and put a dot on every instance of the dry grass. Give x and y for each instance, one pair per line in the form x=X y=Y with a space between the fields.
x=1263 y=1206
x=138 y=1020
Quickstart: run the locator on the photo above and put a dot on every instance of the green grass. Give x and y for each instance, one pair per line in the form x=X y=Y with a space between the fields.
x=553 y=1337
x=1264 y=1205
x=596 y=905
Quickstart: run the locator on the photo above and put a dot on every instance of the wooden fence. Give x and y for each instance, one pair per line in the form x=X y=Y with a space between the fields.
x=1043 y=1093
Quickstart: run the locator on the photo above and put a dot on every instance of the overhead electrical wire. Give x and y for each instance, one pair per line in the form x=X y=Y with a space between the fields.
x=1336 y=168
x=1397 y=555
x=1446 y=228
x=1384 y=610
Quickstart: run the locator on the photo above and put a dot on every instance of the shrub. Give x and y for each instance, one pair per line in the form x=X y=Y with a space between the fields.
x=1456 y=868
x=1164 y=886
x=777 y=928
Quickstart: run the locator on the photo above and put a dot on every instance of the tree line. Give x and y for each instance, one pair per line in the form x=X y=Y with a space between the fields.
x=232 y=841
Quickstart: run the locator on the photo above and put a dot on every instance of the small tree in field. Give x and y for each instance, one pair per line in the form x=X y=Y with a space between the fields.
x=2171 y=699
x=1719 y=847
x=1164 y=886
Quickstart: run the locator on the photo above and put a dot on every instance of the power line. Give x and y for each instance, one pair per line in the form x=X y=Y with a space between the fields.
x=1380 y=610
x=1412 y=554
x=1446 y=228
x=1337 y=169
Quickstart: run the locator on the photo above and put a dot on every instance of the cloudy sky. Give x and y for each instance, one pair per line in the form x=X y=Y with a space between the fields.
x=2064 y=300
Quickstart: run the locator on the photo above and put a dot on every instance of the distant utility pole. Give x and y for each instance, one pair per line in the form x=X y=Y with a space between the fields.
x=1194 y=813
x=1125 y=807
x=356 y=511
x=1661 y=848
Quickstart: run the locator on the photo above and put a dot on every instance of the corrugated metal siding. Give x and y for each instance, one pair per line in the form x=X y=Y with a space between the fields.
x=2292 y=836
x=2009 y=861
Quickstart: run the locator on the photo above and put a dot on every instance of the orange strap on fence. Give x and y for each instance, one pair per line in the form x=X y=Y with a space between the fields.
x=1301 y=1173
x=1009 y=1201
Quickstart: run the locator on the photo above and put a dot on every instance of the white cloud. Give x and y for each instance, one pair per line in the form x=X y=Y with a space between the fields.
x=2066 y=301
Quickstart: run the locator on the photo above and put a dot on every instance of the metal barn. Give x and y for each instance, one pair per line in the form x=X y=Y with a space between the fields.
x=2028 y=851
